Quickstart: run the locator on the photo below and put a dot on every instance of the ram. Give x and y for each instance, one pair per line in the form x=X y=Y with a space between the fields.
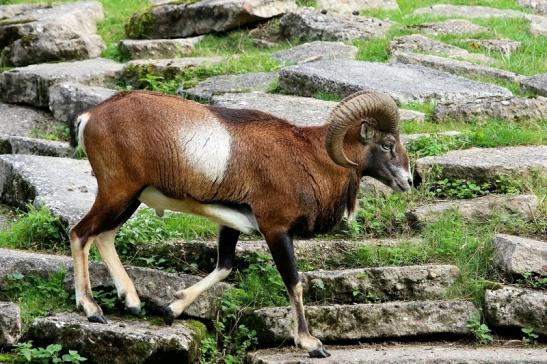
x=244 y=169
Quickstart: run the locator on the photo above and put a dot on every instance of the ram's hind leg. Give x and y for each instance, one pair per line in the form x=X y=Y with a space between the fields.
x=227 y=241
x=105 y=216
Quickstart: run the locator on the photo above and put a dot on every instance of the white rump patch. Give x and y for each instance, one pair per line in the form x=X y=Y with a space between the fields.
x=81 y=122
x=207 y=148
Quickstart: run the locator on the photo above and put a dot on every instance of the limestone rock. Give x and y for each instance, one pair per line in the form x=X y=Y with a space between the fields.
x=65 y=186
x=516 y=307
x=309 y=24
x=405 y=83
x=10 y=324
x=22 y=121
x=537 y=6
x=24 y=145
x=314 y=51
x=218 y=85
x=487 y=164
x=120 y=341
x=497 y=107
x=366 y=321
x=349 y=6
x=477 y=209
x=537 y=84
x=158 y=288
x=516 y=255
x=451 y=26
x=468 y=11
x=11 y=11
x=135 y=71
x=30 y=264
x=538 y=25
x=416 y=43
x=504 y=46
x=57 y=33
x=405 y=353
x=408 y=115
x=417 y=282
x=454 y=66
x=183 y=20
x=157 y=48
x=30 y=85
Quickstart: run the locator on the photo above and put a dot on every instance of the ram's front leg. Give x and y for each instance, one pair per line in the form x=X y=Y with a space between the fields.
x=281 y=247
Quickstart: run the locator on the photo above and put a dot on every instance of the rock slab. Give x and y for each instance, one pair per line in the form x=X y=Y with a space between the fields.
x=511 y=307
x=313 y=51
x=120 y=342
x=536 y=84
x=33 y=146
x=10 y=324
x=366 y=321
x=21 y=120
x=30 y=85
x=517 y=255
x=351 y=6
x=451 y=26
x=31 y=264
x=65 y=186
x=310 y=24
x=157 y=48
x=405 y=83
x=174 y=20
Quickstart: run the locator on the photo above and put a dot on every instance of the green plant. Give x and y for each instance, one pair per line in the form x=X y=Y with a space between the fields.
x=532 y=280
x=435 y=145
x=530 y=337
x=26 y=353
x=480 y=330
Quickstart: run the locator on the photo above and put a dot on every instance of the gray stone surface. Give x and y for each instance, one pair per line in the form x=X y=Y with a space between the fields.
x=451 y=26
x=314 y=51
x=65 y=186
x=10 y=324
x=405 y=83
x=15 y=10
x=218 y=85
x=468 y=11
x=349 y=6
x=536 y=6
x=497 y=107
x=417 y=43
x=120 y=341
x=68 y=99
x=487 y=164
x=504 y=46
x=157 y=48
x=183 y=20
x=518 y=255
x=408 y=138
x=537 y=84
x=158 y=288
x=31 y=264
x=408 y=115
x=366 y=321
x=310 y=24
x=21 y=120
x=54 y=33
x=406 y=354
x=454 y=66
x=418 y=282
x=477 y=209
x=30 y=85
x=134 y=71
x=538 y=25
x=24 y=145
x=511 y=307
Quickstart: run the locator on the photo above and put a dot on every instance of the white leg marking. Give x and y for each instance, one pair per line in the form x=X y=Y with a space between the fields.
x=124 y=285
x=81 y=122
x=207 y=148
x=82 y=285
x=302 y=337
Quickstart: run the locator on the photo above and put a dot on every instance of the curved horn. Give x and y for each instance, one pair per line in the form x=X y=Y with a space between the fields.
x=376 y=109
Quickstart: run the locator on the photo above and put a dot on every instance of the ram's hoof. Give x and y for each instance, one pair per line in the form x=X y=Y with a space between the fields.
x=319 y=353
x=135 y=311
x=98 y=319
x=168 y=316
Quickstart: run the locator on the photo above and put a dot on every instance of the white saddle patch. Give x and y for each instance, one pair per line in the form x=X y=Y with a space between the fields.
x=239 y=219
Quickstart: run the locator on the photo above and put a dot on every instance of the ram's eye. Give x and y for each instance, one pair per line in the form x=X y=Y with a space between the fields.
x=387 y=147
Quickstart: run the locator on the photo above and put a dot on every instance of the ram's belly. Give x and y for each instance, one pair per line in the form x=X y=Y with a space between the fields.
x=241 y=219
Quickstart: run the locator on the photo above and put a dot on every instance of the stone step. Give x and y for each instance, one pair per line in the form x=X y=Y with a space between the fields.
x=513 y=108
x=34 y=146
x=30 y=85
x=350 y=6
x=536 y=84
x=477 y=209
x=405 y=83
x=535 y=6
x=487 y=164
x=180 y=20
x=406 y=354
x=157 y=48
x=313 y=51
x=516 y=255
x=65 y=186
x=18 y=120
x=357 y=322
x=31 y=264
x=10 y=324
x=450 y=26
x=365 y=285
x=324 y=254
x=120 y=341
x=503 y=45
x=514 y=307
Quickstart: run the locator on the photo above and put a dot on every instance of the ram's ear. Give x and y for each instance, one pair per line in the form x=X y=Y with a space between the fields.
x=367 y=133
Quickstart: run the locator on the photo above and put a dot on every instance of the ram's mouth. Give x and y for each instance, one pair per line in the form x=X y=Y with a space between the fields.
x=396 y=185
